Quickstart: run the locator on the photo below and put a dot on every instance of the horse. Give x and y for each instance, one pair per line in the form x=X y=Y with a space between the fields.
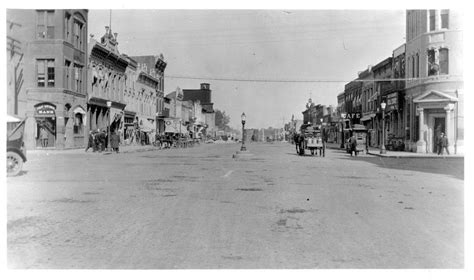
x=296 y=141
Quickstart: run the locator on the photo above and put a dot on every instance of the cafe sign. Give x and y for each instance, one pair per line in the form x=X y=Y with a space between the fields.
x=351 y=116
x=45 y=109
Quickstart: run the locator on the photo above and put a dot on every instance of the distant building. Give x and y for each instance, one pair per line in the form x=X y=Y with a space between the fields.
x=203 y=95
x=106 y=71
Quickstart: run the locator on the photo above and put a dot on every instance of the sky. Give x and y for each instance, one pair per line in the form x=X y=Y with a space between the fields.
x=266 y=63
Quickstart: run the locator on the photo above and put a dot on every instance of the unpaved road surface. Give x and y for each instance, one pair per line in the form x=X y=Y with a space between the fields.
x=199 y=208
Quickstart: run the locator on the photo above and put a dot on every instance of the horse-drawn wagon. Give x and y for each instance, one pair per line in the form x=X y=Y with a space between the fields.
x=311 y=139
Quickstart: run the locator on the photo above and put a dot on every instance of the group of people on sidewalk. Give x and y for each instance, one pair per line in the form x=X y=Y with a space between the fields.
x=98 y=141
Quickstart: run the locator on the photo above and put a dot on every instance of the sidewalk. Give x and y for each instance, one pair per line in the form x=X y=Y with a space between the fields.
x=123 y=149
x=396 y=154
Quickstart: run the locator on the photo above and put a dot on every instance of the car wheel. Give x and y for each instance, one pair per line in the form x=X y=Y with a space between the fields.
x=14 y=163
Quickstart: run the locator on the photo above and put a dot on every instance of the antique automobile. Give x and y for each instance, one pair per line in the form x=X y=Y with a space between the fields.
x=312 y=140
x=16 y=153
x=360 y=133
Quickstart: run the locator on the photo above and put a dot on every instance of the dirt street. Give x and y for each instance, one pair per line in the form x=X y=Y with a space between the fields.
x=199 y=208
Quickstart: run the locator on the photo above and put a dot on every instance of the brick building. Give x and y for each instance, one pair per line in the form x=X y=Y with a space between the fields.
x=48 y=76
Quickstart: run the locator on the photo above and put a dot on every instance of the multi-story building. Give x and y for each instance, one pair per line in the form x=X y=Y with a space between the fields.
x=155 y=68
x=174 y=123
x=130 y=127
x=353 y=102
x=205 y=98
x=368 y=95
x=434 y=87
x=382 y=75
x=106 y=71
x=49 y=50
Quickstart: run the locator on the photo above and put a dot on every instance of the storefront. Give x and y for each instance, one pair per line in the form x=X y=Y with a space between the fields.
x=130 y=126
x=45 y=126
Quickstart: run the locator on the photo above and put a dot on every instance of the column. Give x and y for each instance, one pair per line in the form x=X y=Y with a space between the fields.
x=449 y=127
x=421 y=144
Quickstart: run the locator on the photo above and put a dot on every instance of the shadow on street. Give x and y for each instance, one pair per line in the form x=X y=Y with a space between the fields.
x=447 y=166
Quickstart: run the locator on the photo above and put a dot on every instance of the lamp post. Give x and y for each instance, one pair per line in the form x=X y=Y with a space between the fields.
x=109 y=105
x=382 y=148
x=243 y=148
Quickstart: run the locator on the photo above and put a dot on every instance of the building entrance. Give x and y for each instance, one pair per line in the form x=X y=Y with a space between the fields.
x=439 y=127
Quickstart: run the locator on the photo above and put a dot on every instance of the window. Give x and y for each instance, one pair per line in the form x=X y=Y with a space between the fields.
x=45 y=24
x=67 y=78
x=78 y=123
x=45 y=70
x=40 y=72
x=77 y=34
x=433 y=67
x=432 y=20
x=445 y=19
x=67 y=27
x=413 y=67
x=77 y=78
x=444 y=61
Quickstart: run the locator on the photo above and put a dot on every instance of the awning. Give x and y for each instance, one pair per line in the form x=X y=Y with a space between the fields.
x=145 y=125
x=367 y=117
x=12 y=119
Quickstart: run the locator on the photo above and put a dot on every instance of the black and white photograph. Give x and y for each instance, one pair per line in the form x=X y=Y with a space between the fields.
x=240 y=138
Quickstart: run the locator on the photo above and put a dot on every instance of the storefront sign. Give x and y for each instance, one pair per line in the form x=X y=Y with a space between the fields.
x=356 y=115
x=45 y=109
x=392 y=101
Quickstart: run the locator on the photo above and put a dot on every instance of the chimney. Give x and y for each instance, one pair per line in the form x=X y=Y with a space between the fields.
x=115 y=36
x=106 y=30
x=205 y=86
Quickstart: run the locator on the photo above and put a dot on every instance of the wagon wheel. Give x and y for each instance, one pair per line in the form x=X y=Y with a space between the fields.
x=14 y=164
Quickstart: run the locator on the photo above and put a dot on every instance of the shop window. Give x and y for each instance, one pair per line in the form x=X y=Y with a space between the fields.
x=444 y=61
x=78 y=124
x=45 y=24
x=445 y=19
x=45 y=73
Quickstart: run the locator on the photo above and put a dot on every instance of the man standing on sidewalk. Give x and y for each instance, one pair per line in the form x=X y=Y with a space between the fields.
x=443 y=144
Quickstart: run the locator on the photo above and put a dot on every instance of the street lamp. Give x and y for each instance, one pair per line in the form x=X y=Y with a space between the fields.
x=109 y=104
x=243 y=117
x=382 y=148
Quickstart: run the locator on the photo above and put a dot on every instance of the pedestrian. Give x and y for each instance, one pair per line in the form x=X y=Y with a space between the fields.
x=90 y=142
x=353 y=144
x=443 y=144
x=115 y=141
x=44 y=137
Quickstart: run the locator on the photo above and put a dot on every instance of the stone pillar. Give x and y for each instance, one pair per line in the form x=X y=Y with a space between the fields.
x=449 y=127
x=421 y=144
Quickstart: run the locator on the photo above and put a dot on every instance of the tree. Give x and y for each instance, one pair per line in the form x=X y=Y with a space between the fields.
x=222 y=120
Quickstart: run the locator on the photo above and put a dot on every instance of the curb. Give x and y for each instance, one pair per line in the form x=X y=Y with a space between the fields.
x=414 y=156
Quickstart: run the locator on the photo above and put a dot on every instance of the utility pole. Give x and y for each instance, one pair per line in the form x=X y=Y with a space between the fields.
x=13 y=46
